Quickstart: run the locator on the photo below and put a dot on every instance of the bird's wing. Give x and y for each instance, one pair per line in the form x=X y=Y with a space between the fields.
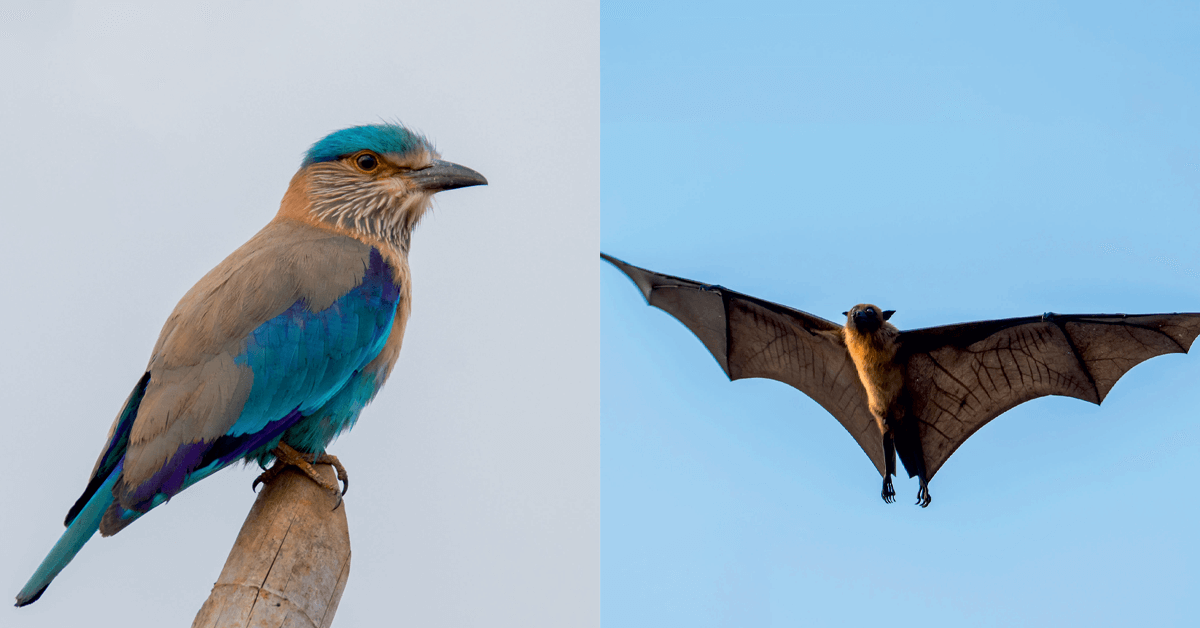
x=962 y=376
x=751 y=337
x=269 y=335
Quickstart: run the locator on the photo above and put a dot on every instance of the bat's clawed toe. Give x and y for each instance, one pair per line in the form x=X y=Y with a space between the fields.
x=923 y=497
x=889 y=494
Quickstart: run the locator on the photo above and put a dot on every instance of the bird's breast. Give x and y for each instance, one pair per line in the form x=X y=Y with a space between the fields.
x=382 y=365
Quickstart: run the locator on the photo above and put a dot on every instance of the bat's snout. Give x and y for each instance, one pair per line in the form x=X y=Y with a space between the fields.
x=867 y=321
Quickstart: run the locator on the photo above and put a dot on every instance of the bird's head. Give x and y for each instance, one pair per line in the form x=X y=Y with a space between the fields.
x=866 y=318
x=378 y=180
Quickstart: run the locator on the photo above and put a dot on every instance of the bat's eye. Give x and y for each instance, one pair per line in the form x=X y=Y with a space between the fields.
x=366 y=162
x=870 y=310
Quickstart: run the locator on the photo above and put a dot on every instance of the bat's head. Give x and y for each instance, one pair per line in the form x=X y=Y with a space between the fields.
x=865 y=318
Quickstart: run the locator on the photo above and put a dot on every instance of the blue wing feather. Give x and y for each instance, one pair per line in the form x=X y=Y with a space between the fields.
x=114 y=452
x=300 y=360
x=337 y=415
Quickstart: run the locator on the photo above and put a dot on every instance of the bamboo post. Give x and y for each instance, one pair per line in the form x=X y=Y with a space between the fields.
x=289 y=564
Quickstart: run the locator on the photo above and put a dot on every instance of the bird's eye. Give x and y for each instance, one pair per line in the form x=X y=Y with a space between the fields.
x=366 y=162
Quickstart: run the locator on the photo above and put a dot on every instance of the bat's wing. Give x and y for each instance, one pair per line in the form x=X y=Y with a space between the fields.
x=962 y=376
x=750 y=337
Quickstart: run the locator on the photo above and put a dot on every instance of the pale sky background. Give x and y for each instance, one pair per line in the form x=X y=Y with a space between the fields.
x=950 y=163
x=142 y=144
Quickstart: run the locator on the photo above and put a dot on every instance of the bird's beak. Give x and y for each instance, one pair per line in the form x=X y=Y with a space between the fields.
x=443 y=175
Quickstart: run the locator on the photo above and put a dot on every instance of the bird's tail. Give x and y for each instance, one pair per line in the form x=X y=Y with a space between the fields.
x=81 y=529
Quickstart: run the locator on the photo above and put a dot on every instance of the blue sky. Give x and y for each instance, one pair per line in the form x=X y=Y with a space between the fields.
x=950 y=163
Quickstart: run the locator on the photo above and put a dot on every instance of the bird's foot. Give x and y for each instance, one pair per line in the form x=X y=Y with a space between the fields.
x=286 y=456
x=923 y=497
x=889 y=494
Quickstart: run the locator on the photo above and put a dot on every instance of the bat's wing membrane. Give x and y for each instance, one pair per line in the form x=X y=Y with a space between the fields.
x=962 y=376
x=751 y=337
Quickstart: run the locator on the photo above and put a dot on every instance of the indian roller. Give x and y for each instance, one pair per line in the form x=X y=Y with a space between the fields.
x=276 y=350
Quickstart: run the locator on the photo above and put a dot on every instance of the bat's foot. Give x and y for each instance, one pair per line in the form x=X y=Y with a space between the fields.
x=923 y=497
x=889 y=494
x=286 y=456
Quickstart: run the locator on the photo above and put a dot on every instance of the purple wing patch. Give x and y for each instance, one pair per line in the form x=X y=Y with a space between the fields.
x=190 y=457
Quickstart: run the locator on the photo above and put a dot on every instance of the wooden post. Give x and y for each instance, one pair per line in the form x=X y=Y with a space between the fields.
x=289 y=564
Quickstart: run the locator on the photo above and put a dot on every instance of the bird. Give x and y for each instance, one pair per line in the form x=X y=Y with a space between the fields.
x=919 y=393
x=278 y=348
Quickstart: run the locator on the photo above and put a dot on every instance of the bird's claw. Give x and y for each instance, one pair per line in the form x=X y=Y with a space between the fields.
x=889 y=494
x=332 y=461
x=286 y=456
x=268 y=476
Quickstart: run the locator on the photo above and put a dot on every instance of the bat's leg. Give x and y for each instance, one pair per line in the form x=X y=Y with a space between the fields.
x=912 y=454
x=923 y=492
x=923 y=497
x=889 y=457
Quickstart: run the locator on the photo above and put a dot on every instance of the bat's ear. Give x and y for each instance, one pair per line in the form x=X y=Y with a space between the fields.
x=845 y=313
x=888 y=314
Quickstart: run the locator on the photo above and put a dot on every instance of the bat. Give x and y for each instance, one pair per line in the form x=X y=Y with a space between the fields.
x=918 y=393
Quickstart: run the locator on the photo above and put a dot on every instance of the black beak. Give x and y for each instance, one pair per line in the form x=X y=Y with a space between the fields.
x=443 y=175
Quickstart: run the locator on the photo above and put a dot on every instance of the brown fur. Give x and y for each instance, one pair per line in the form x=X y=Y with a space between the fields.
x=874 y=356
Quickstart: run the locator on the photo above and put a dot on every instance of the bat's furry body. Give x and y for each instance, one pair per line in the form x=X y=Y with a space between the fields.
x=873 y=344
x=873 y=349
x=925 y=391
